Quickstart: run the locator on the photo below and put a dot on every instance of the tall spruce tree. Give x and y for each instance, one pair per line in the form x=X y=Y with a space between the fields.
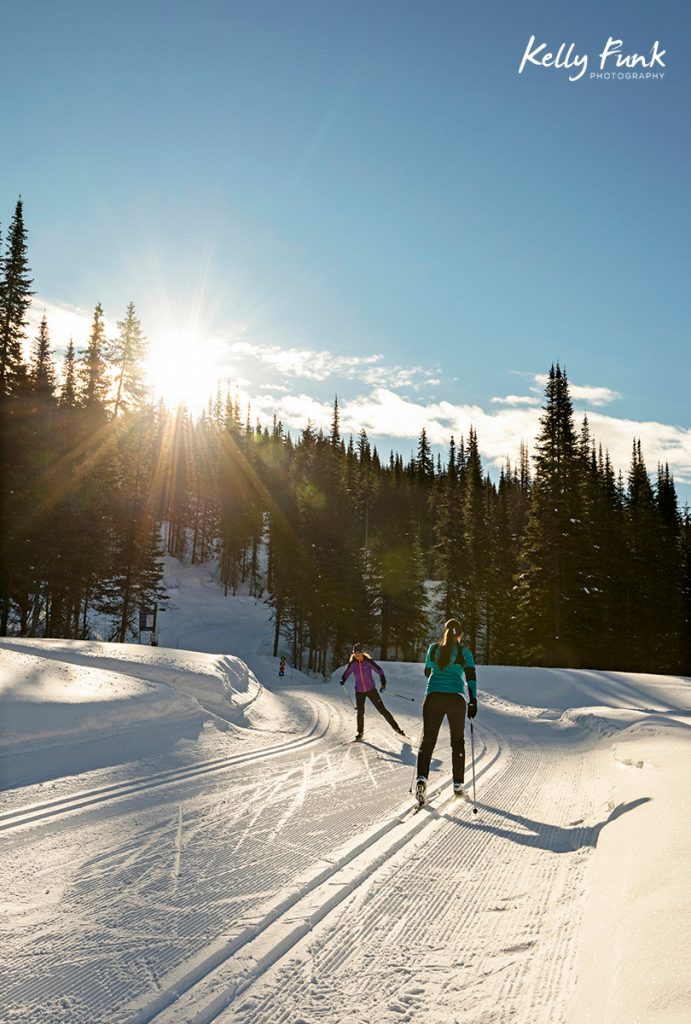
x=642 y=552
x=476 y=543
x=450 y=549
x=550 y=572
x=42 y=369
x=68 y=392
x=15 y=299
x=127 y=354
x=93 y=368
x=500 y=575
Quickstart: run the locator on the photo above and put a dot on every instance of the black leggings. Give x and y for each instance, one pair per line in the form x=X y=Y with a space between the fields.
x=373 y=695
x=434 y=708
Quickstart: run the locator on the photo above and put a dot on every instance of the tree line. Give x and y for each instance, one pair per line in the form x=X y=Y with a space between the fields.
x=564 y=562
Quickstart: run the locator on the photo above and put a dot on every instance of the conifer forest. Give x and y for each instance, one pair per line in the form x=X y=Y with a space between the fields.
x=560 y=561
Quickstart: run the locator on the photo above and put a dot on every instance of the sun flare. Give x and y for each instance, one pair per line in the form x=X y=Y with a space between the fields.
x=184 y=369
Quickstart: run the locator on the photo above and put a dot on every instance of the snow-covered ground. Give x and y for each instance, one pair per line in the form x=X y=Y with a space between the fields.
x=185 y=837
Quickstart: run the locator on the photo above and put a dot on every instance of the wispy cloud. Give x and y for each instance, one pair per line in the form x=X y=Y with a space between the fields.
x=587 y=393
x=409 y=377
x=516 y=400
x=660 y=442
x=310 y=364
x=320 y=365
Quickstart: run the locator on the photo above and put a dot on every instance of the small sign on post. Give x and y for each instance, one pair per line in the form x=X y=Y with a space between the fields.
x=147 y=620
x=147 y=623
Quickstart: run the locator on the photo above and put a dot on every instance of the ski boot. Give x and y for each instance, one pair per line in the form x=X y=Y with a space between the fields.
x=421 y=790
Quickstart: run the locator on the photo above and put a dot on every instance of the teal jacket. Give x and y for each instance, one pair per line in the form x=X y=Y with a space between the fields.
x=458 y=676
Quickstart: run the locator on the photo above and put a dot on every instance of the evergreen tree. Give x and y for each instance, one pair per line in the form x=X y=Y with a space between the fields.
x=605 y=523
x=335 y=435
x=476 y=543
x=422 y=471
x=15 y=299
x=400 y=565
x=501 y=642
x=450 y=549
x=550 y=577
x=642 y=551
x=666 y=620
x=92 y=370
x=128 y=354
x=68 y=393
x=132 y=579
x=42 y=370
x=424 y=463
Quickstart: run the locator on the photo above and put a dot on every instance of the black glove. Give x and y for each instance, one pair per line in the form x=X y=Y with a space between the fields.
x=382 y=685
x=472 y=707
x=342 y=681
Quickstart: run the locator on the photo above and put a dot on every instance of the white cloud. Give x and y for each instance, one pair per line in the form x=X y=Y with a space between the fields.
x=413 y=377
x=516 y=400
x=660 y=443
x=294 y=410
x=320 y=365
x=300 y=362
x=593 y=395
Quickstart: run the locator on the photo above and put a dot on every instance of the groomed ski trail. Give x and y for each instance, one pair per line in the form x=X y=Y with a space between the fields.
x=476 y=907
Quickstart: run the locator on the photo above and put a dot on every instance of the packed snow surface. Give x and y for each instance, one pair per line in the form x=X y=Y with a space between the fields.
x=185 y=837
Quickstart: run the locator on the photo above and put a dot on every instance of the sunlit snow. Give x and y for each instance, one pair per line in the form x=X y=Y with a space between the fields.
x=187 y=837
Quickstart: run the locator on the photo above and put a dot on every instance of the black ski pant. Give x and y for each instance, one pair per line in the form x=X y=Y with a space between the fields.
x=373 y=695
x=434 y=708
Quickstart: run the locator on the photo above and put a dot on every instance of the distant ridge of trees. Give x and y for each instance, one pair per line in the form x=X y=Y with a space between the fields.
x=570 y=565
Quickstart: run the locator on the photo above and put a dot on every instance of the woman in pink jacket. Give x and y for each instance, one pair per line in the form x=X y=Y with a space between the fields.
x=362 y=667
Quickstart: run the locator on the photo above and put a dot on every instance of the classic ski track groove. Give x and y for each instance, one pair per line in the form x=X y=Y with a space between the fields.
x=88 y=798
x=201 y=993
x=537 y=967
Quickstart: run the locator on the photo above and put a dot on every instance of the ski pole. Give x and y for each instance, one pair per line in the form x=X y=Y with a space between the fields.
x=412 y=781
x=401 y=695
x=472 y=762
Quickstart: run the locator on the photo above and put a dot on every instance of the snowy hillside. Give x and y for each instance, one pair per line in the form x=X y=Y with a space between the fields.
x=187 y=837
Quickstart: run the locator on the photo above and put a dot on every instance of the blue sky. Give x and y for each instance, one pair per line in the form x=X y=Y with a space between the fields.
x=289 y=189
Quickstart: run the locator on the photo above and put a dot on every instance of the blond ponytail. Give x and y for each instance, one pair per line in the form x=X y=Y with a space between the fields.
x=453 y=630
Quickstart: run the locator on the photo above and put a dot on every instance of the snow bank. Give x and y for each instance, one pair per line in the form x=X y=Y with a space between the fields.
x=115 y=702
x=636 y=941
x=45 y=701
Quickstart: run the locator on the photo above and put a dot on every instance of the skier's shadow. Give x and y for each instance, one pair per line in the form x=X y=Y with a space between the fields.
x=407 y=755
x=540 y=834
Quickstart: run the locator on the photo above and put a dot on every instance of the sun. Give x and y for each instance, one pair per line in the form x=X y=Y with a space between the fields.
x=184 y=369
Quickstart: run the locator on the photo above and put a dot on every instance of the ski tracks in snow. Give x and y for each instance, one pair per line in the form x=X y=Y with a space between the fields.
x=309 y=891
x=478 y=921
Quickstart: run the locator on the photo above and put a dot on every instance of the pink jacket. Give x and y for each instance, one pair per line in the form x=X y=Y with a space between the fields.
x=363 y=673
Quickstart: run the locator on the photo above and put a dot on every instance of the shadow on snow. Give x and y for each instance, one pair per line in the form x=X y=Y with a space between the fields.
x=540 y=834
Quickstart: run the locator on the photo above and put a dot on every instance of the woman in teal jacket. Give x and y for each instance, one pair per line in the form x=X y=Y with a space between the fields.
x=451 y=682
